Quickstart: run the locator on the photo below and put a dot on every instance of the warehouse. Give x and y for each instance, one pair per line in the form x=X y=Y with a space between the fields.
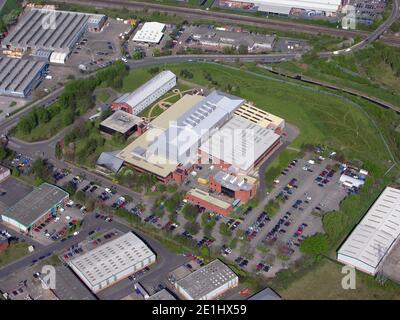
x=240 y=144
x=151 y=32
x=112 y=261
x=120 y=122
x=375 y=235
x=19 y=77
x=145 y=95
x=35 y=207
x=240 y=187
x=52 y=30
x=286 y=7
x=208 y=282
x=204 y=200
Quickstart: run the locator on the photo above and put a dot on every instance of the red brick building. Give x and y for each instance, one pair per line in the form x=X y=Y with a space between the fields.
x=238 y=187
x=205 y=200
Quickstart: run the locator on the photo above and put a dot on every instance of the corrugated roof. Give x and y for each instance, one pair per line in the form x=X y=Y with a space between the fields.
x=240 y=142
x=107 y=260
x=147 y=89
x=375 y=234
x=206 y=279
x=34 y=205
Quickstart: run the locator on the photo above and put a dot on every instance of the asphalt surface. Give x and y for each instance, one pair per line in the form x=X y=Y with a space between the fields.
x=167 y=261
x=193 y=13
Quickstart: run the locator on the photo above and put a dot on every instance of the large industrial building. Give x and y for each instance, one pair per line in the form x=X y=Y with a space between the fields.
x=35 y=207
x=53 y=31
x=113 y=261
x=208 y=282
x=240 y=143
x=375 y=235
x=19 y=77
x=146 y=94
x=286 y=7
x=189 y=130
x=151 y=32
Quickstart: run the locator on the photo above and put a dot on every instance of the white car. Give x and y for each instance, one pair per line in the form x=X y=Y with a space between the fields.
x=76 y=233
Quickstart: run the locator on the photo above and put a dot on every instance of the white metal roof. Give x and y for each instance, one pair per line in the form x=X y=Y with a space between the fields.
x=195 y=124
x=240 y=142
x=375 y=234
x=284 y=6
x=111 y=258
x=206 y=279
x=151 y=32
x=147 y=89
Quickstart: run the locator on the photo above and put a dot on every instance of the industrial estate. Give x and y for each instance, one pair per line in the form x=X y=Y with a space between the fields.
x=155 y=157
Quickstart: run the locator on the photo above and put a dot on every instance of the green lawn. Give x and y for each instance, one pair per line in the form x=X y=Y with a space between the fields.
x=15 y=251
x=102 y=95
x=324 y=282
x=135 y=79
x=376 y=77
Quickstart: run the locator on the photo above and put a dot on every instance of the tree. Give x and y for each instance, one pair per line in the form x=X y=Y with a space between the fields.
x=154 y=70
x=3 y=153
x=243 y=49
x=224 y=230
x=315 y=245
x=80 y=196
x=190 y=212
x=58 y=151
x=172 y=202
x=192 y=227
x=156 y=52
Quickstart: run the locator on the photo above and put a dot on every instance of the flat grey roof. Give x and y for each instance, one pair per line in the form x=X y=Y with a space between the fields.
x=47 y=29
x=240 y=142
x=32 y=207
x=232 y=37
x=110 y=161
x=121 y=121
x=163 y=294
x=206 y=279
x=16 y=75
x=233 y=182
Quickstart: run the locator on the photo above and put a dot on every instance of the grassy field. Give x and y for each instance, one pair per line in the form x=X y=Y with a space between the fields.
x=323 y=118
x=45 y=131
x=14 y=252
x=324 y=282
x=102 y=95
x=377 y=78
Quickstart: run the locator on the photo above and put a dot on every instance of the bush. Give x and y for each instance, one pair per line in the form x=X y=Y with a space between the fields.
x=315 y=245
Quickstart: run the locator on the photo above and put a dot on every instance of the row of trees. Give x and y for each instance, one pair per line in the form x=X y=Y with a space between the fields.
x=76 y=99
